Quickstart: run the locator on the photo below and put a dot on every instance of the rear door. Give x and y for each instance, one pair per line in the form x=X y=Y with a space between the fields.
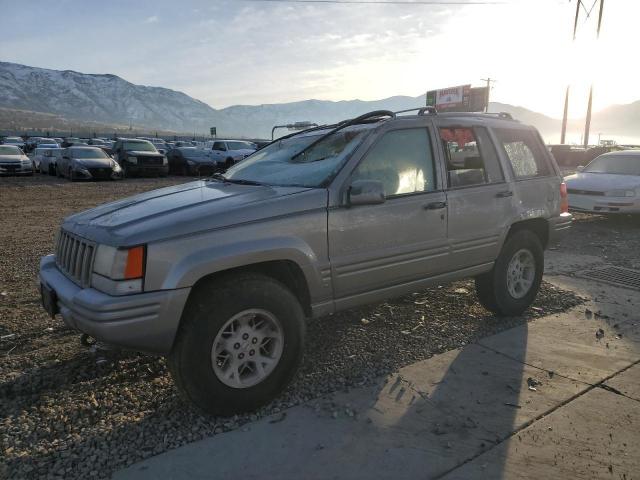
x=480 y=201
x=374 y=247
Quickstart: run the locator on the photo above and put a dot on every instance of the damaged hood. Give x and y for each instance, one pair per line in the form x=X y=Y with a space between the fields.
x=189 y=208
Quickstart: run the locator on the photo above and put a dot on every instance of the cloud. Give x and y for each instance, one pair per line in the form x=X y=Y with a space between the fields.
x=151 y=19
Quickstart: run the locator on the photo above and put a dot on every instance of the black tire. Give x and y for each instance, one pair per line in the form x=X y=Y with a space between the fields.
x=491 y=287
x=184 y=170
x=72 y=176
x=58 y=172
x=52 y=170
x=209 y=307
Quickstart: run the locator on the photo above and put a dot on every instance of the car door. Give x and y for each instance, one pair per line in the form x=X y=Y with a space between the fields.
x=383 y=248
x=479 y=200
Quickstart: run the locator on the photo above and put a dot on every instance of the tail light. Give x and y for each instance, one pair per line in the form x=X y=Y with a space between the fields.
x=564 y=198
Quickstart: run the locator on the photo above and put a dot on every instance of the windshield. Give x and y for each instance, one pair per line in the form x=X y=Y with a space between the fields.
x=87 y=153
x=13 y=140
x=240 y=146
x=274 y=165
x=139 y=146
x=8 y=150
x=616 y=164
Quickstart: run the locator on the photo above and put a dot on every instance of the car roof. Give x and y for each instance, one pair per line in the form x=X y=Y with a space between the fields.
x=631 y=153
x=84 y=147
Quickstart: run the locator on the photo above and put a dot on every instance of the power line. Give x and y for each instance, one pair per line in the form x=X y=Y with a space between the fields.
x=383 y=2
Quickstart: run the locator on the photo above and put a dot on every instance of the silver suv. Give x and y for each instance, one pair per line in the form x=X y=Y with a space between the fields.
x=220 y=274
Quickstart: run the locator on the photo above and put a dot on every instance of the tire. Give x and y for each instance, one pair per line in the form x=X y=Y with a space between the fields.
x=209 y=310
x=72 y=177
x=493 y=288
x=58 y=172
x=52 y=170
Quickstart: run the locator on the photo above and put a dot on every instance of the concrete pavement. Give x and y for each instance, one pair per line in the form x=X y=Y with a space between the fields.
x=550 y=399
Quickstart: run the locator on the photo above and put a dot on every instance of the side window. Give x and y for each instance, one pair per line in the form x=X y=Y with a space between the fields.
x=219 y=146
x=402 y=160
x=470 y=156
x=524 y=152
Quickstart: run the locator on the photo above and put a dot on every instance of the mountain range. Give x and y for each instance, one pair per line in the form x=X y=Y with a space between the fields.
x=109 y=100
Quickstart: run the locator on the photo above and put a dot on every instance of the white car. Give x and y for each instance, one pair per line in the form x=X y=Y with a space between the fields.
x=44 y=160
x=13 y=161
x=15 y=141
x=609 y=184
x=228 y=152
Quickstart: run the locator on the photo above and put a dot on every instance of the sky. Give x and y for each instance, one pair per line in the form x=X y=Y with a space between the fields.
x=228 y=52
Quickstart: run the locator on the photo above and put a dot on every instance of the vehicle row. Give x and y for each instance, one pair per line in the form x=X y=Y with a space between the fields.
x=96 y=158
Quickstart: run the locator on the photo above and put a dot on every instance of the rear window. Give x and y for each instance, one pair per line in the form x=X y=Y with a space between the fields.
x=524 y=151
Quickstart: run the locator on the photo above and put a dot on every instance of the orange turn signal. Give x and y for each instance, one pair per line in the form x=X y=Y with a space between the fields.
x=135 y=263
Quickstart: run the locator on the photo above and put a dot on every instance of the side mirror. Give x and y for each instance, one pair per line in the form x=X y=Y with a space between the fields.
x=366 y=192
x=580 y=168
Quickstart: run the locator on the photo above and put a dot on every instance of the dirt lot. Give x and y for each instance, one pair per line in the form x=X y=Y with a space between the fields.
x=67 y=411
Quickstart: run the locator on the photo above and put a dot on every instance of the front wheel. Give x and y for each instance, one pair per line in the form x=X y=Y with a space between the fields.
x=513 y=283
x=239 y=345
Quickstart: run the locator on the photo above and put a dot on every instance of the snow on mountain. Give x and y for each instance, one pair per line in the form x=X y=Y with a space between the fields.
x=100 y=98
x=109 y=99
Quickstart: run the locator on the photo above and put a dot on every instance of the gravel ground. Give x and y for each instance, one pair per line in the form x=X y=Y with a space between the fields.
x=615 y=238
x=67 y=411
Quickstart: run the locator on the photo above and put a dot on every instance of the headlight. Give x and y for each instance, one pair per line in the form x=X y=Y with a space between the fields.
x=191 y=163
x=118 y=271
x=133 y=160
x=115 y=166
x=165 y=161
x=621 y=193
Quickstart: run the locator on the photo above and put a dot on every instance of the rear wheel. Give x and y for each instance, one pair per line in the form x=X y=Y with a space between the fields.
x=513 y=283
x=239 y=344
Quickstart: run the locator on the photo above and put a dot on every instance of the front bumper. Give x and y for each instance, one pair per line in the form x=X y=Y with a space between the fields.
x=145 y=322
x=603 y=204
x=91 y=173
x=559 y=227
x=15 y=169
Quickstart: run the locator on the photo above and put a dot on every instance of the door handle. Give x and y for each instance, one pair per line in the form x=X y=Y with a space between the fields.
x=505 y=194
x=435 y=205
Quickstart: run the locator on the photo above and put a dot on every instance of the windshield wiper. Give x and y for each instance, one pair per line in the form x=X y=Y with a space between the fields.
x=237 y=181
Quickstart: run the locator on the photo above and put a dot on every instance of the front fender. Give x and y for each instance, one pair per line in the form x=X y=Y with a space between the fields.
x=198 y=263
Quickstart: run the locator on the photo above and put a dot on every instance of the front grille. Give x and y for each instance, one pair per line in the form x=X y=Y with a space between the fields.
x=150 y=160
x=74 y=257
x=585 y=192
x=101 y=172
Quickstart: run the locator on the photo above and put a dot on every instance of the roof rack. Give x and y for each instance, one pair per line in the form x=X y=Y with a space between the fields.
x=431 y=110
x=369 y=117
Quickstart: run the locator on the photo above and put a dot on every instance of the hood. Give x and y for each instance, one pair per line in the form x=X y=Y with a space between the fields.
x=93 y=162
x=13 y=158
x=601 y=182
x=189 y=208
x=138 y=153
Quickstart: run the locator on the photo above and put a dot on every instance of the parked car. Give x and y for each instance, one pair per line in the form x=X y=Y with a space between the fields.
x=38 y=155
x=219 y=274
x=87 y=163
x=608 y=184
x=13 y=161
x=140 y=157
x=228 y=152
x=49 y=159
x=191 y=161
x=15 y=141
x=98 y=142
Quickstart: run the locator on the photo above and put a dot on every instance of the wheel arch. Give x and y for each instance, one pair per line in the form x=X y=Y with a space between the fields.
x=287 y=272
x=538 y=226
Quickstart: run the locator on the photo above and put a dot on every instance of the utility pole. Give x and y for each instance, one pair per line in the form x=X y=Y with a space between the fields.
x=489 y=80
x=565 y=113
x=587 y=124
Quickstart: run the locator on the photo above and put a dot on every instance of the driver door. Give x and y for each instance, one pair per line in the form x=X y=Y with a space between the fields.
x=381 y=249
